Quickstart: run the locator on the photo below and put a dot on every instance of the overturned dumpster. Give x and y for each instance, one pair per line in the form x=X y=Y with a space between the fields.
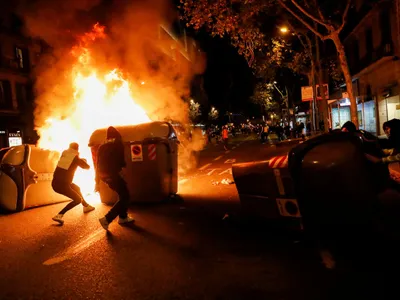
x=26 y=173
x=151 y=156
x=326 y=181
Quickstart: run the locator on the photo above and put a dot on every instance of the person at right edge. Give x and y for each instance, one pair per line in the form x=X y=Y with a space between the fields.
x=110 y=162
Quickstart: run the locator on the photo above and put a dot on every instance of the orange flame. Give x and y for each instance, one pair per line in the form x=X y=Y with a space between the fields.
x=99 y=101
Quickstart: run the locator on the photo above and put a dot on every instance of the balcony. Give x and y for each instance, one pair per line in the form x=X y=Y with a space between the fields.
x=385 y=50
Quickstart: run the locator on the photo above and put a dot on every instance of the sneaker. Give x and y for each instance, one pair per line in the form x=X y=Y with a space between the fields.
x=128 y=219
x=104 y=223
x=58 y=219
x=87 y=209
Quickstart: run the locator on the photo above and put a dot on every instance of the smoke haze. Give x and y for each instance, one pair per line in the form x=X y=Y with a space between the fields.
x=134 y=43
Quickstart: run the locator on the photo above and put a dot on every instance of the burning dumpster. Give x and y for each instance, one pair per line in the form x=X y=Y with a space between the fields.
x=26 y=173
x=151 y=155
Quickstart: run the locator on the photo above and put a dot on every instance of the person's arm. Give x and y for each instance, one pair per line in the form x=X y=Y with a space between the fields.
x=82 y=163
x=391 y=158
x=121 y=155
x=388 y=152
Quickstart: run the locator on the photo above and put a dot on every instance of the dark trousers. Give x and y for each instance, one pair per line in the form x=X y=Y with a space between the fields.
x=120 y=208
x=71 y=191
x=225 y=142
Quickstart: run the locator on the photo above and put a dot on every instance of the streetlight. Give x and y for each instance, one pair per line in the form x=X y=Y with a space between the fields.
x=284 y=29
x=142 y=83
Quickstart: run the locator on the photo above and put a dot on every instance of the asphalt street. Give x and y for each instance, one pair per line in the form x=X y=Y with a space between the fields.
x=195 y=249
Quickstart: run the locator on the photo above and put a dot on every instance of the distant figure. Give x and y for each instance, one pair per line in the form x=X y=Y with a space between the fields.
x=63 y=177
x=225 y=136
x=110 y=162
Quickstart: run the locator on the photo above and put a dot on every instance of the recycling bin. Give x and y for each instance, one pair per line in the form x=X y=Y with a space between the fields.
x=151 y=156
x=26 y=173
x=266 y=189
x=336 y=186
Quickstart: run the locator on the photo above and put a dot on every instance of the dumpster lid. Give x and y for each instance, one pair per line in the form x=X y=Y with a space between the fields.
x=135 y=132
x=15 y=156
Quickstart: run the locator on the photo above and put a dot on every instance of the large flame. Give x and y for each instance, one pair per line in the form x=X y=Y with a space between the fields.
x=98 y=101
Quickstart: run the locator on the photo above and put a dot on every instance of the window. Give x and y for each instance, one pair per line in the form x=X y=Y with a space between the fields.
x=22 y=57
x=5 y=95
x=360 y=119
x=22 y=94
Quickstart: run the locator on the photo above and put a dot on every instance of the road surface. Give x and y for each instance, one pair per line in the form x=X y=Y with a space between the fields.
x=198 y=249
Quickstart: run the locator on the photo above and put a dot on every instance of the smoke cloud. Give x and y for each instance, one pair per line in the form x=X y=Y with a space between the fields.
x=136 y=42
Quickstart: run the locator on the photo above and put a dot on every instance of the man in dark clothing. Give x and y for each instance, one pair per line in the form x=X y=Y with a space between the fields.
x=110 y=162
x=63 y=177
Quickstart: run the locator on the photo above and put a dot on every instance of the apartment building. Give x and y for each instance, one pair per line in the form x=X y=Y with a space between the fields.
x=18 y=57
x=372 y=49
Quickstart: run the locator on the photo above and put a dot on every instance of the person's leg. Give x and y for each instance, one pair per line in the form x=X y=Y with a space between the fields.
x=70 y=193
x=78 y=191
x=120 y=208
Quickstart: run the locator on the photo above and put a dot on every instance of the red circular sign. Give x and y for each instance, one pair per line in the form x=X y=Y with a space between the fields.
x=136 y=150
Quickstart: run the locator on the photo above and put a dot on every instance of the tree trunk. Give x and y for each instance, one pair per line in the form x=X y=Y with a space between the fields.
x=346 y=72
x=324 y=103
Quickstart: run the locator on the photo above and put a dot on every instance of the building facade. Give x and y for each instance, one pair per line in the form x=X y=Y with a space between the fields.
x=372 y=49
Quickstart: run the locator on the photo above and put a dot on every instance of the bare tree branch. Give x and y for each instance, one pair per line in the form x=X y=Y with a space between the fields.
x=344 y=17
x=301 y=20
x=308 y=14
x=321 y=15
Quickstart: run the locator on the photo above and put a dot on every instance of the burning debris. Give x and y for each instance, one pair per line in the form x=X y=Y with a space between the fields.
x=122 y=74
x=224 y=181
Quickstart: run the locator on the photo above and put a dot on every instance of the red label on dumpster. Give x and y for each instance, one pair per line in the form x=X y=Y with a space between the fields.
x=152 y=152
x=278 y=162
x=136 y=153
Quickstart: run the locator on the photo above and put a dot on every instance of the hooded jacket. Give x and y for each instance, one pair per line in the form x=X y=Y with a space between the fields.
x=110 y=155
x=67 y=165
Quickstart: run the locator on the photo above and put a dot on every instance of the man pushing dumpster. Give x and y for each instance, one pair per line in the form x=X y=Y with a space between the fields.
x=63 y=177
x=110 y=162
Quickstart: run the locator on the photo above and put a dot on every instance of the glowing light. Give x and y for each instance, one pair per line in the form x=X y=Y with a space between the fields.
x=284 y=29
x=101 y=98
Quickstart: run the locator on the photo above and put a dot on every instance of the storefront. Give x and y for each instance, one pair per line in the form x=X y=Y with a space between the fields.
x=10 y=138
x=11 y=131
x=340 y=112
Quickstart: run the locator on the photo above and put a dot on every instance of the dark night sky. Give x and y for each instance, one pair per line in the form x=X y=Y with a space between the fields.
x=228 y=80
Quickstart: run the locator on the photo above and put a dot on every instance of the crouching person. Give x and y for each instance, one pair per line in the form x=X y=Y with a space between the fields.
x=63 y=177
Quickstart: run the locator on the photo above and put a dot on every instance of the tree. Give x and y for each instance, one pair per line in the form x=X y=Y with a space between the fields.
x=194 y=110
x=213 y=114
x=240 y=20
x=263 y=95
x=332 y=32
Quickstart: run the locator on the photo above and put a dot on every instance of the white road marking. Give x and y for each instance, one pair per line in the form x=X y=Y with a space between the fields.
x=218 y=158
x=212 y=171
x=205 y=167
x=229 y=171
x=79 y=247
x=227 y=151
x=182 y=181
x=230 y=161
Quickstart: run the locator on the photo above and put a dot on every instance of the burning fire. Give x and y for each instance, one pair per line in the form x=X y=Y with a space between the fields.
x=99 y=101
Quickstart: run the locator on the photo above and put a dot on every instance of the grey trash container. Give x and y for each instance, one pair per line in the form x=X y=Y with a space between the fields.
x=151 y=155
x=26 y=173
